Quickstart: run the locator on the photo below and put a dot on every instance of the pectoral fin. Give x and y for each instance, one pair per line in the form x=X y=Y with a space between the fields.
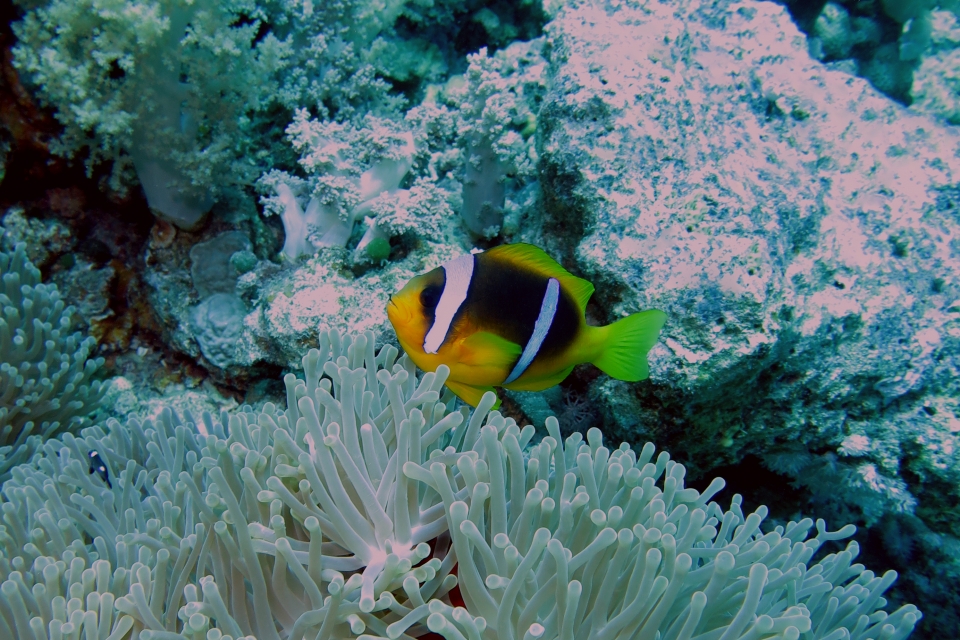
x=485 y=349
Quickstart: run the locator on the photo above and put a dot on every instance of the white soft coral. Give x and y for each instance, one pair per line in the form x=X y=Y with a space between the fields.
x=318 y=221
x=328 y=225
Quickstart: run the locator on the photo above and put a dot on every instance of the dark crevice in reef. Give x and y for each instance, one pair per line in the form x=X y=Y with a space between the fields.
x=758 y=486
x=456 y=33
x=493 y=24
x=563 y=209
x=872 y=51
x=924 y=561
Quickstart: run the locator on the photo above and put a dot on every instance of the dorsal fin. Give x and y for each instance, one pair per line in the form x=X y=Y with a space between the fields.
x=536 y=259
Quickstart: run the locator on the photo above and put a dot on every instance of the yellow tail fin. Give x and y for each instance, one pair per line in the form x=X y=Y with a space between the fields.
x=626 y=343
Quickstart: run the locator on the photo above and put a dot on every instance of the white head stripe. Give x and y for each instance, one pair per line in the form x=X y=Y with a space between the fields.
x=459 y=273
x=548 y=309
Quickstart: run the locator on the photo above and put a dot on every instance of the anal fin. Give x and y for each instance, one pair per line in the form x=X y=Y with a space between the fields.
x=539 y=384
x=469 y=393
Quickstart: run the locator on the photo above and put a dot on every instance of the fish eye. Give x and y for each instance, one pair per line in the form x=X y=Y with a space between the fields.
x=430 y=296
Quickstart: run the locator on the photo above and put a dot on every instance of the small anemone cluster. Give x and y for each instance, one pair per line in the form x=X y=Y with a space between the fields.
x=371 y=507
x=46 y=372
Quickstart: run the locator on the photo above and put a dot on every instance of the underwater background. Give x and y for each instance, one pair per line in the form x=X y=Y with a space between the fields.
x=194 y=195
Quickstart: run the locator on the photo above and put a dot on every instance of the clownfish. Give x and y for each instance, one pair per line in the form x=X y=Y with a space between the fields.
x=99 y=467
x=512 y=317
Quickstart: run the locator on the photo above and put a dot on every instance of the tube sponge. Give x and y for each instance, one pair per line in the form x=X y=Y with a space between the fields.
x=483 y=192
x=45 y=372
x=370 y=508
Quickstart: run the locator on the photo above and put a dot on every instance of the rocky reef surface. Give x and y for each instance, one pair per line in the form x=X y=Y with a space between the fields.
x=799 y=229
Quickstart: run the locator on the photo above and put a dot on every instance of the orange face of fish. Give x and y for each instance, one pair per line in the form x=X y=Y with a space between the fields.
x=411 y=320
x=416 y=308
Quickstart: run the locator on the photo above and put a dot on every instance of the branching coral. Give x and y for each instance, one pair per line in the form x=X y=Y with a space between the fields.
x=172 y=89
x=194 y=95
x=367 y=508
x=45 y=371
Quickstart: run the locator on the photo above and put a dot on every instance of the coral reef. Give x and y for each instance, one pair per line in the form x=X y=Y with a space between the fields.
x=382 y=188
x=368 y=507
x=46 y=373
x=381 y=184
x=191 y=98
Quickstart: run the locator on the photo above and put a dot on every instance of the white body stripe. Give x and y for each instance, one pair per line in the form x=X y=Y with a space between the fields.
x=548 y=309
x=459 y=273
